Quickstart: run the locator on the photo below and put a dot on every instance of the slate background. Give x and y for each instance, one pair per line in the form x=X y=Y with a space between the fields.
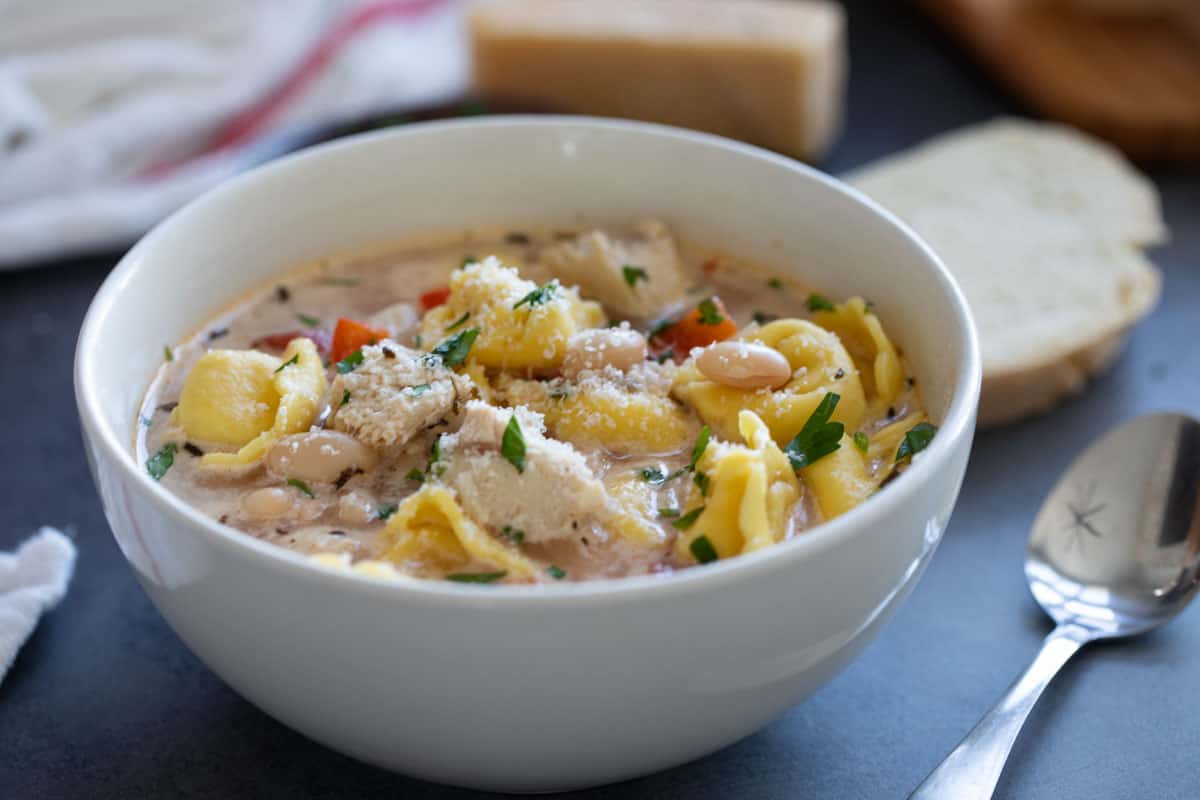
x=105 y=702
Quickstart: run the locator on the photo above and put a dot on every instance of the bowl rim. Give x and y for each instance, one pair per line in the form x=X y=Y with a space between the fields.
x=958 y=422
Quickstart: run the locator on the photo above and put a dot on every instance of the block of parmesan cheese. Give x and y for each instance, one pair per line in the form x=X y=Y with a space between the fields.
x=768 y=72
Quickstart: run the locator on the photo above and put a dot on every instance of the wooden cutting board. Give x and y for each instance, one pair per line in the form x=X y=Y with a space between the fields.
x=1133 y=79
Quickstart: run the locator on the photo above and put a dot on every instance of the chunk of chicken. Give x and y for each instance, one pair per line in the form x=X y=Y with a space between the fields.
x=395 y=394
x=634 y=276
x=553 y=497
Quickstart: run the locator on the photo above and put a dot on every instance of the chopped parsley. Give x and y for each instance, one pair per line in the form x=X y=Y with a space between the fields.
x=539 y=296
x=417 y=341
x=634 y=274
x=514 y=535
x=158 y=464
x=817 y=302
x=468 y=260
x=701 y=480
x=861 y=442
x=700 y=446
x=512 y=444
x=453 y=351
x=709 y=313
x=652 y=475
x=660 y=327
x=819 y=437
x=416 y=475
x=386 y=510
x=665 y=356
x=702 y=550
x=435 y=455
x=689 y=519
x=301 y=486
x=419 y=389
x=556 y=572
x=668 y=512
x=293 y=360
x=762 y=317
x=475 y=577
x=775 y=283
x=350 y=362
x=458 y=323
x=559 y=394
x=916 y=440
x=345 y=397
x=167 y=354
x=308 y=321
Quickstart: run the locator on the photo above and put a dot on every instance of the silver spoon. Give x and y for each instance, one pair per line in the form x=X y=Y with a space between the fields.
x=1114 y=552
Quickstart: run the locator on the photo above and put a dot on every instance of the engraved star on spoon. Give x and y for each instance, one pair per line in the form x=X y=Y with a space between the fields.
x=1114 y=552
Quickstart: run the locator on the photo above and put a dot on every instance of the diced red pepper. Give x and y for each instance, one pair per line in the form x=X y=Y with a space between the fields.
x=434 y=298
x=350 y=335
x=278 y=341
x=693 y=331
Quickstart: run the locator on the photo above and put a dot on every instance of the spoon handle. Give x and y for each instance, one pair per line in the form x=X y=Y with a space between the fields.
x=973 y=769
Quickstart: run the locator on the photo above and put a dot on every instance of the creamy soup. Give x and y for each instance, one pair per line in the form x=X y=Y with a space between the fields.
x=533 y=406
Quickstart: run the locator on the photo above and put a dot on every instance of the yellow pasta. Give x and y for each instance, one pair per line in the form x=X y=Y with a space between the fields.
x=751 y=491
x=297 y=387
x=521 y=325
x=839 y=481
x=430 y=533
x=229 y=397
x=862 y=335
x=820 y=365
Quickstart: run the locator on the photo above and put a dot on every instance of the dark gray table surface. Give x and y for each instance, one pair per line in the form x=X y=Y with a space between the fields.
x=105 y=702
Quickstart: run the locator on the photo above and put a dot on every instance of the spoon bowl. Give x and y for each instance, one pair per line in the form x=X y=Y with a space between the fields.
x=1114 y=552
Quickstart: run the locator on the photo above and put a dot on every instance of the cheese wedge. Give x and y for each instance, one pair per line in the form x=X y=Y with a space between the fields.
x=764 y=71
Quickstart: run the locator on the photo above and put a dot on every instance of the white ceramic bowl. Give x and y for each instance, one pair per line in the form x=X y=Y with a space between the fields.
x=525 y=688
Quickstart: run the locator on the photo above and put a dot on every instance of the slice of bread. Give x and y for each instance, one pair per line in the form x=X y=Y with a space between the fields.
x=1043 y=227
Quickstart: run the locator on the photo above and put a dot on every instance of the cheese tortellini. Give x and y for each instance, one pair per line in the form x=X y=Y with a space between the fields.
x=820 y=364
x=874 y=355
x=521 y=325
x=248 y=400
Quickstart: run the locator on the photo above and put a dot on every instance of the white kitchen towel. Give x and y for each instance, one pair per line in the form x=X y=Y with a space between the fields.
x=32 y=581
x=114 y=114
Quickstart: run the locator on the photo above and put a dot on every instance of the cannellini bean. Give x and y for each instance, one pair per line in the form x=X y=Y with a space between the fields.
x=357 y=508
x=318 y=456
x=744 y=365
x=272 y=503
x=621 y=348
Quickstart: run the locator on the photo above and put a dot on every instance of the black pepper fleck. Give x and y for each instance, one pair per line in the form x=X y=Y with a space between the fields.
x=841 y=373
x=192 y=450
x=517 y=237
x=389 y=353
x=346 y=475
x=336 y=532
x=891 y=411
x=283 y=294
x=281 y=531
x=217 y=333
x=168 y=407
x=223 y=519
x=912 y=382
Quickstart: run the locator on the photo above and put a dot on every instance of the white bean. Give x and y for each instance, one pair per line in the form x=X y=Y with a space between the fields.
x=620 y=348
x=318 y=456
x=357 y=508
x=264 y=504
x=744 y=365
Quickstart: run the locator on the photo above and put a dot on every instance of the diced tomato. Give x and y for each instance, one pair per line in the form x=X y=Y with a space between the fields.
x=434 y=298
x=696 y=329
x=710 y=265
x=278 y=341
x=350 y=335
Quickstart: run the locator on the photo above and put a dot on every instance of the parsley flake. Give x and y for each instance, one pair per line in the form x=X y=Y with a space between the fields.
x=762 y=317
x=416 y=475
x=819 y=437
x=514 y=535
x=458 y=323
x=158 y=464
x=386 y=510
x=660 y=328
x=512 y=444
x=475 y=577
x=689 y=519
x=701 y=480
x=301 y=486
x=775 y=283
x=453 y=351
x=634 y=274
x=350 y=362
x=652 y=475
x=556 y=572
x=668 y=512
x=539 y=296
x=293 y=360
x=916 y=440
x=167 y=354
x=709 y=313
x=818 y=302
x=308 y=321
x=419 y=389
x=861 y=442
x=468 y=260
x=700 y=446
x=345 y=397
x=702 y=550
